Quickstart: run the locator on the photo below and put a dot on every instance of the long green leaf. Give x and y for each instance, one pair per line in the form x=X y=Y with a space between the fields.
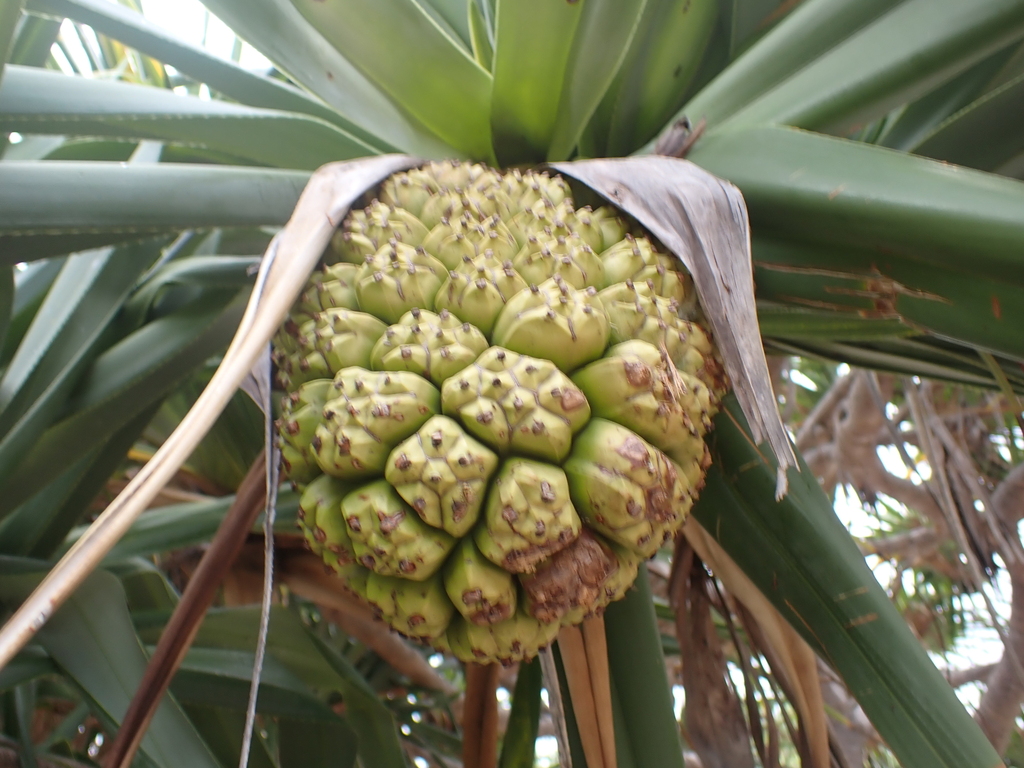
x=220 y=677
x=222 y=730
x=30 y=286
x=637 y=667
x=901 y=56
x=280 y=32
x=809 y=31
x=984 y=135
x=46 y=206
x=146 y=587
x=788 y=322
x=35 y=39
x=317 y=665
x=400 y=47
x=10 y=12
x=184 y=525
x=519 y=745
x=129 y=378
x=135 y=30
x=921 y=118
x=7 y=311
x=379 y=745
x=451 y=15
x=67 y=332
x=92 y=640
x=304 y=744
x=37 y=527
x=481 y=36
x=20 y=707
x=908 y=357
x=662 y=60
x=599 y=47
x=803 y=559
x=832 y=192
x=534 y=41
x=746 y=19
x=41 y=102
x=30 y=663
x=950 y=302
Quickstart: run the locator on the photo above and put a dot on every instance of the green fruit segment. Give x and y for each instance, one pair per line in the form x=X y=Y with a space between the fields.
x=517 y=404
x=636 y=312
x=419 y=609
x=332 y=287
x=479 y=199
x=344 y=337
x=636 y=387
x=613 y=227
x=434 y=346
x=463 y=239
x=476 y=291
x=526 y=189
x=625 y=565
x=389 y=538
x=568 y=257
x=626 y=488
x=398 y=278
x=366 y=416
x=332 y=340
x=528 y=516
x=636 y=260
x=443 y=474
x=367 y=231
x=321 y=520
x=353 y=575
x=480 y=590
x=553 y=320
x=518 y=638
x=301 y=414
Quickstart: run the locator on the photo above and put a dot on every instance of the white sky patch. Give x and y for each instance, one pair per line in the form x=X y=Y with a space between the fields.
x=189 y=20
x=802 y=380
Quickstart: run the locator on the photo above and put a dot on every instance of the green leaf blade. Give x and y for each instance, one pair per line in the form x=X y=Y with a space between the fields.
x=533 y=42
x=600 y=45
x=819 y=189
x=41 y=102
x=899 y=57
x=135 y=30
x=53 y=207
x=279 y=31
x=92 y=640
x=400 y=48
x=813 y=28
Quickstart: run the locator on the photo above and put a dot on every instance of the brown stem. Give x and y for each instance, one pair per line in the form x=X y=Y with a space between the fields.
x=596 y=645
x=480 y=719
x=577 y=675
x=181 y=629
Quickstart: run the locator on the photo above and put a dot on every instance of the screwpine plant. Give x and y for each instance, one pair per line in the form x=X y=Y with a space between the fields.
x=499 y=393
